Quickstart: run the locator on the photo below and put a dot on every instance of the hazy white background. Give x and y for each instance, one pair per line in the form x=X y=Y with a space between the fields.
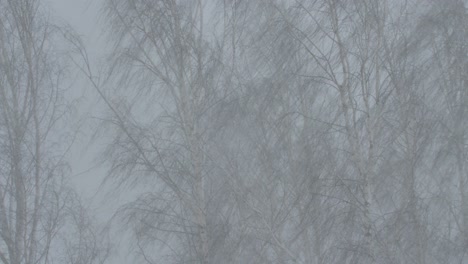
x=87 y=175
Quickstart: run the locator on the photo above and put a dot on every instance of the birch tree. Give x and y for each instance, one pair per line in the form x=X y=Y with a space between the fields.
x=348 y=42
x=32 y=187
x=352 y=65
x=34 y=191
x=167 y=59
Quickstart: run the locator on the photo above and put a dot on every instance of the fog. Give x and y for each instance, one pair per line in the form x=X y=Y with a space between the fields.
x=231 y=131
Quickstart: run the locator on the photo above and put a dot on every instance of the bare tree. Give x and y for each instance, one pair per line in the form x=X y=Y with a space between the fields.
x=83 y=241
x=32 y=186
x=287 y=131
x=34 y=192
x=164 y=54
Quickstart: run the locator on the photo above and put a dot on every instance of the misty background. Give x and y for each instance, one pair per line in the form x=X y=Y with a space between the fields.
x=233 y=131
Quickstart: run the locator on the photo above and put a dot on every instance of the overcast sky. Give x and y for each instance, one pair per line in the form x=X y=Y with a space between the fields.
x=82 y=16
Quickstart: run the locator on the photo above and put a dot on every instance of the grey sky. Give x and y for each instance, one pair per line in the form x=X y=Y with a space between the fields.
x=300 y=135
x=81 y=15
